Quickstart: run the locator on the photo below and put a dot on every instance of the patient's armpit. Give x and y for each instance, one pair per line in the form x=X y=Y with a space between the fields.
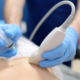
x=20 y=69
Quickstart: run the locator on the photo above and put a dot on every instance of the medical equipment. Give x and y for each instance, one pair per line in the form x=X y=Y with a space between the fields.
x=9 y=42
x=55 y=37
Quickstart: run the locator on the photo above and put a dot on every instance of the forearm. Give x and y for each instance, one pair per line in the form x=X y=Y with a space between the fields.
x=13 y=11
x=76 y=21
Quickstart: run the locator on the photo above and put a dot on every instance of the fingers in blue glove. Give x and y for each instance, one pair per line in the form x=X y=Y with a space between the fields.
x=50 y=63
x=54 y=57
x=58 y=52
x=70 y=55
x=9 y=53
x=13 y=31
x=10 y=34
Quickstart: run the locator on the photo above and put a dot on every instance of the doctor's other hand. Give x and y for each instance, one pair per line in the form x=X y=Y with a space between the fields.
x=13 y=32
x=65 y=52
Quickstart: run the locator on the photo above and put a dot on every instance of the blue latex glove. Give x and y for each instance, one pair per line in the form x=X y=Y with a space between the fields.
x=13 y=32
x=65 y=52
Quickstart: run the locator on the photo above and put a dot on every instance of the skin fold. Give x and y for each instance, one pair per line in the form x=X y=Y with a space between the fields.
x=21 y=69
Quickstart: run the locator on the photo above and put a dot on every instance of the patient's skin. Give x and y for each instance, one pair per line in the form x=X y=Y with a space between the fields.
x=21 y=69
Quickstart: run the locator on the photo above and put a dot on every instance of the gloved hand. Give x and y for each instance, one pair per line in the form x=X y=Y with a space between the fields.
x=13 y=32
x=65 y=52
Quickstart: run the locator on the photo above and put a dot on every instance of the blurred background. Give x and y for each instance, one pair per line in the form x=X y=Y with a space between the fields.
x=75 y=62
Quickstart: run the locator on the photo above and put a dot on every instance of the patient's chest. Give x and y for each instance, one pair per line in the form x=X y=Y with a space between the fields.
x=20 y=69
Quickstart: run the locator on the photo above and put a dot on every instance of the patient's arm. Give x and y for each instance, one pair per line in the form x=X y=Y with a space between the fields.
x=20 y=69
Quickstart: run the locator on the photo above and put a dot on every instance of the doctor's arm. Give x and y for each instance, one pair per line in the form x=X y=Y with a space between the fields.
x=13 y=11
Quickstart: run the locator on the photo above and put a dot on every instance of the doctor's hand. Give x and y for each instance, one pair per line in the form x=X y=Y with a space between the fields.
x=65 y=52
x=13 y=32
